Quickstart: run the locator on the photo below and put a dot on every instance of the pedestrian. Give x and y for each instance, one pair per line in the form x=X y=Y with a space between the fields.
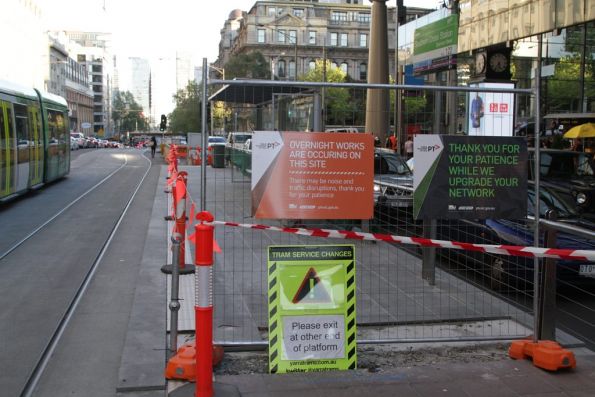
x=391 y=142
x=153 y=146
x=376 y=141
x=409 y=147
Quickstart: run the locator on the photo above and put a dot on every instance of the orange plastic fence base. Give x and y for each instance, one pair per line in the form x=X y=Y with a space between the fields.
x=182 y=366
x=546 y=354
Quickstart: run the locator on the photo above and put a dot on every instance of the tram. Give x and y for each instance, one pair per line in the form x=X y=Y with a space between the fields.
x=34 y=139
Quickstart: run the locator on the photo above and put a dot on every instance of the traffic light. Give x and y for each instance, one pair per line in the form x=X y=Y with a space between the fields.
x=163 y=124
x=401 y=13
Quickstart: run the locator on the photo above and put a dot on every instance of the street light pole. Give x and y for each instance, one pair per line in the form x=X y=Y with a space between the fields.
x=220 y=70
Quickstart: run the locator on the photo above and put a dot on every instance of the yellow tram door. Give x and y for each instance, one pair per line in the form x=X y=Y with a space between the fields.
x=7 y=150
x=36 y=147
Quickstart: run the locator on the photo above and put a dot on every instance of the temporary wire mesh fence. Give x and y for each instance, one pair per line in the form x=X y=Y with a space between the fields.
x=469 y=296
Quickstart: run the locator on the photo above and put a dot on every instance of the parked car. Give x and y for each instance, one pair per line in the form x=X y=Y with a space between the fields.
x=80 y=139
x=503 y=271
x=216 y=141
x=73 y=143
x=393 y=180
x=237 y=139
x=570 y=174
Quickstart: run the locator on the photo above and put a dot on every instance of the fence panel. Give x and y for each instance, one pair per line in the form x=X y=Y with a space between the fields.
x=469 y=296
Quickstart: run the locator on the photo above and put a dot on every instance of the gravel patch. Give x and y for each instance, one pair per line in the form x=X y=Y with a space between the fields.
x=381 y=357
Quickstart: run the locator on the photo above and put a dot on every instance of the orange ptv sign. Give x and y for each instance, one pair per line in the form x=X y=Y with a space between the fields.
x=312 y=175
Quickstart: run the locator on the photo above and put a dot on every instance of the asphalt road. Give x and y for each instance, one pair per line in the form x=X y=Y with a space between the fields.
x=41 y=276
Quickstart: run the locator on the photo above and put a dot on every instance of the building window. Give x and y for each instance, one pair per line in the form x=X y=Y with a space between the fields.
x=334 y=38
x=281 y=36
x=312 y=37
x=338 y=16
x=312 y=65
x=344 y=67
x=334 y=65
x=363 y=39
x=363 y=71
x=293 y=36
x=261 y=35
x=281 y=68
x=363 y=17
x=272 y=11
x=292 y=69
x=343 y=40
x=298 y=12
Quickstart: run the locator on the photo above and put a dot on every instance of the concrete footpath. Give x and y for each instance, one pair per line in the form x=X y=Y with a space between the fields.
x=434 y=370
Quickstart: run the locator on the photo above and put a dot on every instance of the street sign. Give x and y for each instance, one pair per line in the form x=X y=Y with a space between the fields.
x=312 y=175
x=311 y=308
x=86 y=125
x=469 y=177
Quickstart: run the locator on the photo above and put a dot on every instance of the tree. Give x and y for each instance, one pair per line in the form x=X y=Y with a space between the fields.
x=127 y=113
x=186 y=116
x=340 y=107
x=250 y=65
x=220 y=113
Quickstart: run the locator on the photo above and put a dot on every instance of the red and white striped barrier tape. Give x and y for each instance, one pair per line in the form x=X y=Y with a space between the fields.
x=510 y=250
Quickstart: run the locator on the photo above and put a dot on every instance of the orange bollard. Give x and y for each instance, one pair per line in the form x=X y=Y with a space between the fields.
x=203 y=305
x=179 y=194
x=546 y=354
x=180 y=206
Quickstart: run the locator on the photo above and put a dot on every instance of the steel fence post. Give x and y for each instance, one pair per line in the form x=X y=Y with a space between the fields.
x=547 y=329
x=174 y=304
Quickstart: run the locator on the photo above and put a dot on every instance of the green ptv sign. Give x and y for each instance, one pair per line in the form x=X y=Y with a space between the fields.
x=311 y=308
x=470 y=177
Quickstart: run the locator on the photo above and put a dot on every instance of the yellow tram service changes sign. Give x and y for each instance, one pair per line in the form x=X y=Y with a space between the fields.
x=311 y=308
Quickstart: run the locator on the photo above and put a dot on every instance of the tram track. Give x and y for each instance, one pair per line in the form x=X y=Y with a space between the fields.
x=36 y=230
x=41 y=364
x=63 y=313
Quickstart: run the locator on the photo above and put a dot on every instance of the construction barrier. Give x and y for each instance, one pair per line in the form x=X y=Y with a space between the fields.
x=531 y=252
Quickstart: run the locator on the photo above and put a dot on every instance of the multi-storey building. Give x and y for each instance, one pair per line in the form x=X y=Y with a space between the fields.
x=94 y=54
x=184 y=70
x=140 y=82
x=69 y=79
x=293 y=34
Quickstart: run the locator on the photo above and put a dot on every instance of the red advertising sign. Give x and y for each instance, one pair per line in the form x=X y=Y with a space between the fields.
x=307 y=175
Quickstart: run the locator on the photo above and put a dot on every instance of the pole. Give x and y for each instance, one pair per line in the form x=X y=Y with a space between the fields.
x=397 y=117
x=174 y=304
x=323 y=89
x=203 y=309
x=203 y=168
x=377 y=100
x=295 y=58
x=536 y=170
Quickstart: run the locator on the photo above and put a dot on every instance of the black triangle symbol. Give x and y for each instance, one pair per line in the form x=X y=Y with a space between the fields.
x=311 y=290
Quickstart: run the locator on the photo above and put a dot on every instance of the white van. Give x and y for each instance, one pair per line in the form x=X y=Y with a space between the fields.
x=342 y=129
x=238 y=139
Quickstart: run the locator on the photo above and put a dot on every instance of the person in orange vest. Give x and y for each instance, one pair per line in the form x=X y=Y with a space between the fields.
x=391 y=142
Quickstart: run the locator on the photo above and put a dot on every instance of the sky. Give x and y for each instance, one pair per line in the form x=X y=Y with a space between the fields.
x=149 y=28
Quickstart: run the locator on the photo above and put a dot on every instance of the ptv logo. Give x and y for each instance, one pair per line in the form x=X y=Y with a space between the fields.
x=268 y=145
x=429 y=148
